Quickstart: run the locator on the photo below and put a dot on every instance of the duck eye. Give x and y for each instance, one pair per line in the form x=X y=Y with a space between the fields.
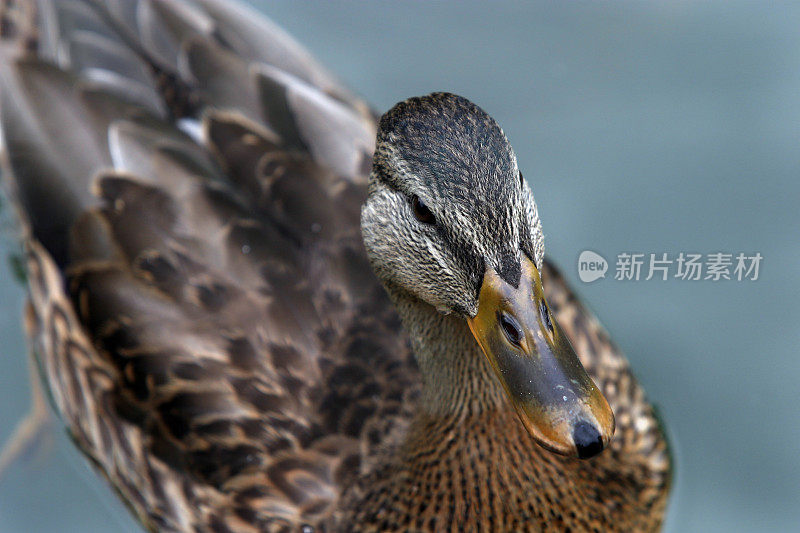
x=511 y=328
x=421 y=211
x=546 y=316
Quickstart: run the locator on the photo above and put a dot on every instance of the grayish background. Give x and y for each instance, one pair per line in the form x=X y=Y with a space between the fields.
x=641 y=127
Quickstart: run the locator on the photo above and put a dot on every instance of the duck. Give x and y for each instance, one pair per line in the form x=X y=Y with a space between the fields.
x=258 y=305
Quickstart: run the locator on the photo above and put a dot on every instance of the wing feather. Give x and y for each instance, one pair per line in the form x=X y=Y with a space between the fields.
x=200 y=297
x=639 y=448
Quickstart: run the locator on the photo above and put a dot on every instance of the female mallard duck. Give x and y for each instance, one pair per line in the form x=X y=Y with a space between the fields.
x=191 y=187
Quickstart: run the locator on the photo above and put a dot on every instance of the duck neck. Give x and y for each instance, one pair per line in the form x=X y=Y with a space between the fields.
x=457 y=378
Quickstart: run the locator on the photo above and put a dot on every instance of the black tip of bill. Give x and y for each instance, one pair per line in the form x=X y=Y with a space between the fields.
x=588 y=441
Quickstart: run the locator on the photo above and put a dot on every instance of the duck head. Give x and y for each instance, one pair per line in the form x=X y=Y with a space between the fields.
x=450 y=220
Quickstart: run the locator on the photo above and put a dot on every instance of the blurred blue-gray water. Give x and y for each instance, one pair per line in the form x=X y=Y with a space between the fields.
x=642 y=127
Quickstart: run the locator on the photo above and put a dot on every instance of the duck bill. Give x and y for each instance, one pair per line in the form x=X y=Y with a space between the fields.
x=557 y=402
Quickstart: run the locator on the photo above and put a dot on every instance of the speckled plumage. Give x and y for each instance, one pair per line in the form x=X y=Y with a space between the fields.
x=202 y=307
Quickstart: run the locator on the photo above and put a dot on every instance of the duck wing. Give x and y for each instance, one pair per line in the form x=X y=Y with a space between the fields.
x=189 y=183
x=638 y=455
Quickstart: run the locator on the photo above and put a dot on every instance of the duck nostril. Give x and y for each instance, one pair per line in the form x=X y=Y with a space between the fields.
x=511 y=327
x=546 y=316
x=587 y=439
